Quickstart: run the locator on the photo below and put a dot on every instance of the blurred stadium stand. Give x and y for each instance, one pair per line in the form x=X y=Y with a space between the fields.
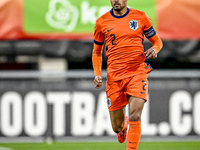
x=77 y=53
x=25 y=54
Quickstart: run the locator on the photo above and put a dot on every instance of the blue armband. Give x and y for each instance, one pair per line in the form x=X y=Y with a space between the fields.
x=150 y=32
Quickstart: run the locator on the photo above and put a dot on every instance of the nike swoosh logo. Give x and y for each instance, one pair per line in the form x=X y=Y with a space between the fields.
x=110 y=30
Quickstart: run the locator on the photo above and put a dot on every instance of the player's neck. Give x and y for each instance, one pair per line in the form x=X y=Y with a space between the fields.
x=121 y=12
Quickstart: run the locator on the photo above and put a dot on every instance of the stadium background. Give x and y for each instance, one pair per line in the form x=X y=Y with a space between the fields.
x=46 y=72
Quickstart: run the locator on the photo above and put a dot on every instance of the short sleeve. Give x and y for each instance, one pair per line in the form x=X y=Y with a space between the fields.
x=147 y=22
x=98 y=34
x=148 y=29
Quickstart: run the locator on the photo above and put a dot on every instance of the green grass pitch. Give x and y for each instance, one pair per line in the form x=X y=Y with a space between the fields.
x=100 y=146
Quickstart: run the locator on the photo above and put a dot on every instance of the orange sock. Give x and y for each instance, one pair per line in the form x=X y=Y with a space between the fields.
x=133 y=136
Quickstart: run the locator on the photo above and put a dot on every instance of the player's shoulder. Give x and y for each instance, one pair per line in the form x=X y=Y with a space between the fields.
x=136 y=12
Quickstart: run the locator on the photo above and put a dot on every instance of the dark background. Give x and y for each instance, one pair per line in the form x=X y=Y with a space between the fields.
x=174 y=54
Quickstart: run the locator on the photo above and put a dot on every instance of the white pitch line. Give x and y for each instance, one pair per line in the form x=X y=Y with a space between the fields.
x=5 y=148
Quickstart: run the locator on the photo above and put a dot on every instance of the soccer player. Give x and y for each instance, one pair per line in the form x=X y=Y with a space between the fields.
x=122 y=29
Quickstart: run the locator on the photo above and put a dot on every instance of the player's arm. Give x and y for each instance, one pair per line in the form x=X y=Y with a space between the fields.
x=152 y=36
x=97 y=64
x=97 y=54
x=156 y=46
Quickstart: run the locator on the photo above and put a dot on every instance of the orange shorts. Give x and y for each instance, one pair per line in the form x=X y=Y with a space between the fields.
x=117 y=91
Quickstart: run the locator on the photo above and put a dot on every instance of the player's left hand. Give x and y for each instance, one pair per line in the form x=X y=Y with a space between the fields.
x=150 y=53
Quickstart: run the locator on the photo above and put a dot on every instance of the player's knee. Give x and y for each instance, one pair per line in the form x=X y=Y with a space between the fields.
x=117 y=128
x=135 y=116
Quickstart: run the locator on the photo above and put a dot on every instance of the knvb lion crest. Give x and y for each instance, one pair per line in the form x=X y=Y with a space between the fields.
x=109 y=102
x=133 y=24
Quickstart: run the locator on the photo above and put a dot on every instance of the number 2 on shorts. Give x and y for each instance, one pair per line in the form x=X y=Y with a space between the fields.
x=144 y=86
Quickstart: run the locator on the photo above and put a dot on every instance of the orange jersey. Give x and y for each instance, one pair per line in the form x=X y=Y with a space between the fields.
x=123 y=36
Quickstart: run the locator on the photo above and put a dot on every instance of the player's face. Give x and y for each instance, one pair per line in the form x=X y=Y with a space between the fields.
x=118 y=5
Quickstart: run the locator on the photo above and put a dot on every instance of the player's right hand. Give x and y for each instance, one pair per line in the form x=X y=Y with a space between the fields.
x=98 y=82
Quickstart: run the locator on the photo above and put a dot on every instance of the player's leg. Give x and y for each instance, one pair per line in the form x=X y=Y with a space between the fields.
x=119 y=123
x=117 y=118
x=134 y=132
x=117 y=101
x=137 y=90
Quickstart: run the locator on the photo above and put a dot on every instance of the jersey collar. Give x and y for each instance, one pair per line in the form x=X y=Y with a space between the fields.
x=111 y=11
